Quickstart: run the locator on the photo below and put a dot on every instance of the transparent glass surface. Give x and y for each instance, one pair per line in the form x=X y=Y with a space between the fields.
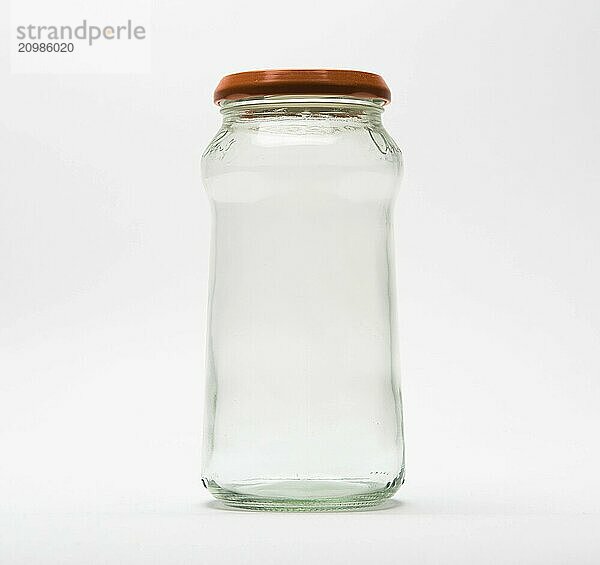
x=303 y=406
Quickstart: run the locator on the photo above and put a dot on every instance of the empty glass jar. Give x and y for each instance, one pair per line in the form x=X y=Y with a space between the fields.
x=303 y=407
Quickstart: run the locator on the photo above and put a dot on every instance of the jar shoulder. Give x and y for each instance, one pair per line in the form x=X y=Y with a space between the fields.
x=293 y=144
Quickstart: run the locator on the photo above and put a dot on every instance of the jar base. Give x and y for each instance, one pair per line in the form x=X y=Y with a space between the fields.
x=304 y=495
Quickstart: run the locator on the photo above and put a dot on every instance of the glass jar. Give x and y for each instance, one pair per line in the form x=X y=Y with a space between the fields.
x=303 y=406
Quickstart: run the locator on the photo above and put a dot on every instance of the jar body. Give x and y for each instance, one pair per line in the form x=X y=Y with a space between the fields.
x=303 y=406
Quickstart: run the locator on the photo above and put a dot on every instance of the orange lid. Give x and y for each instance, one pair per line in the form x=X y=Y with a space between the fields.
x=251 y=84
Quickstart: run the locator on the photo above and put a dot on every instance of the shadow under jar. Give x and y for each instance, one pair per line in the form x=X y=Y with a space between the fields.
x=303 y=407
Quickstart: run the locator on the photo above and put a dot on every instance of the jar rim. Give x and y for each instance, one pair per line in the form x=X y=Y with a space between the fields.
x=302 y=82
x=277 y=103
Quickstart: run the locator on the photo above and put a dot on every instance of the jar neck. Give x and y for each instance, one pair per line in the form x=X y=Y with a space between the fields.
x=304 y=107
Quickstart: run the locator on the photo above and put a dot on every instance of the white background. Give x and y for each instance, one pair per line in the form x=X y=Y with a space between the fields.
x=104 y=233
